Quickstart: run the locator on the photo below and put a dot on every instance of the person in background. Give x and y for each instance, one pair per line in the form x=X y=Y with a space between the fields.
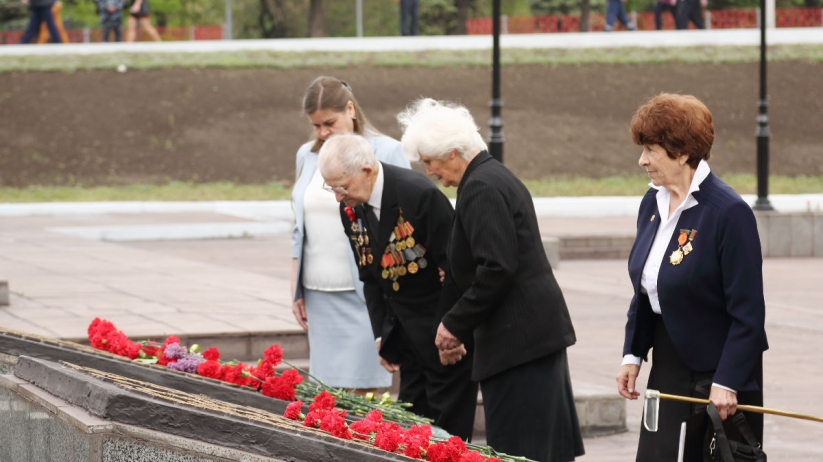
x=111 y=18
x=140 y=11
x=660 y=7
x=697 y=272
x=408 y=16
x=692 y=10
x=328 y=299
x=616 y=11
x=41 y=13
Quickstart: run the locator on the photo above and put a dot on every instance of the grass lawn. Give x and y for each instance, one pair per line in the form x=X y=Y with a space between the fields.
x=547 y=187
x=433 y=58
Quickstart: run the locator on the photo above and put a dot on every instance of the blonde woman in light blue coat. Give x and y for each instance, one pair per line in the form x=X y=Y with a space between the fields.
x=328 y=295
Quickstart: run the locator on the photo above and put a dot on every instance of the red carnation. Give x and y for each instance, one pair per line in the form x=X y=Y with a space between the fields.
x=273 y=354
x=472 y=456
x=374 y=416
x=363 y=428
x=449 y=451
x=292 y=376
x=350 y=213
x=335 y=424
x=493 y=459
x=209 y=369
x=293 y=411
x=211 y=354
x=164 y=360
x=313 y=419
x=169 y=340
x=389 y=436
x=277 y=387
x=264 y=370
x=322 y=402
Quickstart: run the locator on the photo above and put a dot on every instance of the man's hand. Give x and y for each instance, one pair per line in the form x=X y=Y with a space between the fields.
x=626 y=378
x=24 y=2
x=453 y=356
x=386 y=365
x=442 y=274
x=111 y=9
x=299 y=310
x=724 y=400
x=445 y=340
x=704 y=3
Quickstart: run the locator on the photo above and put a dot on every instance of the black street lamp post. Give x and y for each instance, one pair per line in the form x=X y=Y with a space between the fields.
x=762 y=133
x=496 y=122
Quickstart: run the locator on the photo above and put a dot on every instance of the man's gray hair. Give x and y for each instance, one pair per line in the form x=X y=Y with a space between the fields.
x=436 y=128
x=347 y=152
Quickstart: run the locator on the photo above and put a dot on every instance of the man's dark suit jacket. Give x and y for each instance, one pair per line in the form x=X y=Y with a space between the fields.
x=510 y=302
x=416 y=304
x=712 y=302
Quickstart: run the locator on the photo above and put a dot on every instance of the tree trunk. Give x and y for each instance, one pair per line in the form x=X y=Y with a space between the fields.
x=462 y=16
x=316 y=28
x=585 y=16
x=271 y=19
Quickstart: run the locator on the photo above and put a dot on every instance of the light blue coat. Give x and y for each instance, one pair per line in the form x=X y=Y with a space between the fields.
x=387 y=150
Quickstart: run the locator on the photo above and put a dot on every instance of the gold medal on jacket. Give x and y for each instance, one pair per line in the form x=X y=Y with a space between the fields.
x=676 y=257
x=413 y=268
x=395 y=286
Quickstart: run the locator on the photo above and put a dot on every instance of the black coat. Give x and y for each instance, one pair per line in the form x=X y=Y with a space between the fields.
x=712 y=303
x=418 y=301
x=510 y=301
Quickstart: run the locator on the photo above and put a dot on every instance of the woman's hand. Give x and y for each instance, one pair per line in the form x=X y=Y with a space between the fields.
x=444 y=340
x=136 y=7
x=299 y=310
x=724 y=400
x=626 y=379
x=452 y=356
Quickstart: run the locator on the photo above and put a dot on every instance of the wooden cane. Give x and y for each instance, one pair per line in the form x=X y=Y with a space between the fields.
x=744 y=407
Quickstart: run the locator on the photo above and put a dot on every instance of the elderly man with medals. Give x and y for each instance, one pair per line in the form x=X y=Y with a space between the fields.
x=398 y=223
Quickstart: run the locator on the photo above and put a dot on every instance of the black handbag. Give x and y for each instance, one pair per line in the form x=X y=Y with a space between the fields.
x=720 y=449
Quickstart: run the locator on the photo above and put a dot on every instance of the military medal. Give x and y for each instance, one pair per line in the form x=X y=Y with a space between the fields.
x=412 y=267
x=369 y=257
x=676 y=257
x=409 y=242
x=395 y=286
x=422 y=263
x=401 y=270
x=385 y=273
x=684 y=246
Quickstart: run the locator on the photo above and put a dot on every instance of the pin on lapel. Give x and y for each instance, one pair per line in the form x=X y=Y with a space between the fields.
x=652 y=219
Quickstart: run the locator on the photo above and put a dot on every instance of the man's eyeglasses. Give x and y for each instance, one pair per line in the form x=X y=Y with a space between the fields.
x=336 y=189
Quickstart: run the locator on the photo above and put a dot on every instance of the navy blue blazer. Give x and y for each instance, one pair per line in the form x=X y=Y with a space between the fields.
x=712 y=302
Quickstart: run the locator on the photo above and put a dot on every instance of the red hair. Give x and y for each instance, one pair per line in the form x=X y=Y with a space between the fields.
x=682 y=125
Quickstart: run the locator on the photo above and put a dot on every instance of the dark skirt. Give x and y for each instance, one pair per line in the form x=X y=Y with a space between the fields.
x=670 y=375
x=530 y=411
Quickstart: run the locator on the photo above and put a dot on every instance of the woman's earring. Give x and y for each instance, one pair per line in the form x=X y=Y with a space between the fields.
x=354 y=118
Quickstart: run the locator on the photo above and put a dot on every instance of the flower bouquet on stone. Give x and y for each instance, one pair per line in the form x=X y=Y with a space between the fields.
x=288 y=386
x=416 y=441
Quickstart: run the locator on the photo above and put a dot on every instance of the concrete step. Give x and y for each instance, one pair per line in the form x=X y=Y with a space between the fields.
x=595 y=247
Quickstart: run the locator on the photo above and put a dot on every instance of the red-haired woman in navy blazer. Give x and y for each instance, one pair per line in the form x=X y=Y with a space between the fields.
x=696 y=269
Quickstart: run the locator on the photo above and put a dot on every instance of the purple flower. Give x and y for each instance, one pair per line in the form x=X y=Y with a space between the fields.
x=174 y=351
x=187 y=363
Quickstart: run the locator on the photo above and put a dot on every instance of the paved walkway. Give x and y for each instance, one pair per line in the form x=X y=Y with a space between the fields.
x=60 y=281
x=644 y=39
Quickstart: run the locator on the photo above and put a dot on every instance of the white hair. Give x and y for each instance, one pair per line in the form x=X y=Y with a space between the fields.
x=436 y=128
x=348 y=152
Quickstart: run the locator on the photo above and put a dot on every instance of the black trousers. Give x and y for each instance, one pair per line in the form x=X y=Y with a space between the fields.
x=690 y=10
x=670 y=375
x=445 y=394
x=530 y=411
